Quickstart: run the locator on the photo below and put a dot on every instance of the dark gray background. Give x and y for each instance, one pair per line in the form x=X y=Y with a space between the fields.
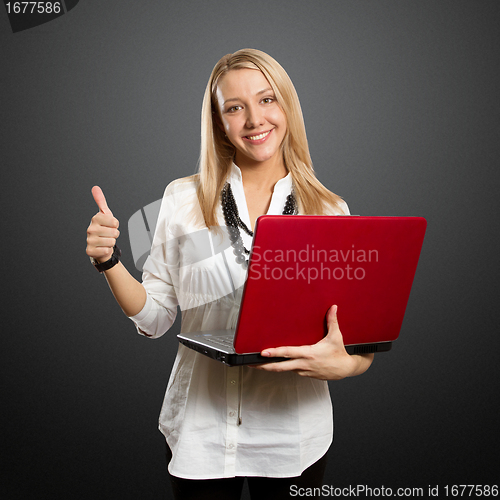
x=400 y=100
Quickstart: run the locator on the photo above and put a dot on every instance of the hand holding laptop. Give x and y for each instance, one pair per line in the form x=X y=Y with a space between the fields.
x=325 y=360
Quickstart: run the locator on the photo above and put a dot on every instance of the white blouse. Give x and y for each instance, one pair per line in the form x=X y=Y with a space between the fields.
x=222 y=421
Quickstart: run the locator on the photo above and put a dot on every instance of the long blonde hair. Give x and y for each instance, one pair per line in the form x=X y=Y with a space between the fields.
x=217 y=152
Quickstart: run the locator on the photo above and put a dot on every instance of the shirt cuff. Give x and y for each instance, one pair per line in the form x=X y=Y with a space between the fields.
x=145 y=317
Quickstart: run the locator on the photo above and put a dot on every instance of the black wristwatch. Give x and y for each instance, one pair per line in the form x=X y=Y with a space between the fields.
x=104 y=266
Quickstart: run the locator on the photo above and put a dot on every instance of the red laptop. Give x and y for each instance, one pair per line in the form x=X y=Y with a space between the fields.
x=301 y=265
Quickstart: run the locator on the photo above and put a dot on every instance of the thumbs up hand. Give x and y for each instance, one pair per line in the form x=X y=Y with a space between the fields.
x=103 y=229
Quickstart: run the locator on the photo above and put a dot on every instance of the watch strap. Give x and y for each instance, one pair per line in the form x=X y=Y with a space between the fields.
x=104 y=266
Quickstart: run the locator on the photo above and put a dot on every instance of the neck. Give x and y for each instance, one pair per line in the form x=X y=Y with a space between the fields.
x=261 y=176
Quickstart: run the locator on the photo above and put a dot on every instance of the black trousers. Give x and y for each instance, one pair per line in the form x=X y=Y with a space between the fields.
x=261 y=488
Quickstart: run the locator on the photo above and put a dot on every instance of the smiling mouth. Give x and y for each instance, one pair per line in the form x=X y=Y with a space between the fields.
x=258 y=137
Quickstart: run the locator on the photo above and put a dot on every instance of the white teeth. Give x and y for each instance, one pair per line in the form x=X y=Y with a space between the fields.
x=258 y=137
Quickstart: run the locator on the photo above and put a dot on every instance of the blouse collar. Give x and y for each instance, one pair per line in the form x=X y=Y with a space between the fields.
x=280 y=192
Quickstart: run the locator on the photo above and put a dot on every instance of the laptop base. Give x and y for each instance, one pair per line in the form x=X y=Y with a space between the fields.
x=368 y=348
x=231 y=358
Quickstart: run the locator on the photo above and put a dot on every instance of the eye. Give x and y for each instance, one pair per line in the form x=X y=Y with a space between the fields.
x=268 y=100
x=232 y=109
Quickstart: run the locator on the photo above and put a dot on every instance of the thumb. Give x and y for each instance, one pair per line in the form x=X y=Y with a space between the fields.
x=334 y=336
x=332 y=321
x=100 y=200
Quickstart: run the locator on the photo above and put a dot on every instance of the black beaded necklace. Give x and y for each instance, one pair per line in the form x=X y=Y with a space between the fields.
x=233 y=221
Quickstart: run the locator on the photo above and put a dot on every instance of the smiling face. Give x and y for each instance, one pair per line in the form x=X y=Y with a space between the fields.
x=251 y=117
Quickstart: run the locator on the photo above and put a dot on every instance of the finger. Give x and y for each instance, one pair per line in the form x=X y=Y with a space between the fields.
x=106 y=221
x=287 y=352
x=104 y=225
x=282 y=366
x=100 y=200
x=100 y=253
x=101 y=242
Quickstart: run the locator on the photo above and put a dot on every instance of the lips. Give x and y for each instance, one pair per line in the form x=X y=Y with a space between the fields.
x=257 y=138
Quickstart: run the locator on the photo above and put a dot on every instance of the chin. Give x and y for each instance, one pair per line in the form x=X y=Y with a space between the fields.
x=261 y=159
x=263 y=156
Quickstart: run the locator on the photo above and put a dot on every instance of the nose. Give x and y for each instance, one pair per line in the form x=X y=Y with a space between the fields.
x=255 y=116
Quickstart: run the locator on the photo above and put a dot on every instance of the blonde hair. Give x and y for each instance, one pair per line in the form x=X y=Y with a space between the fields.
x=217 y=152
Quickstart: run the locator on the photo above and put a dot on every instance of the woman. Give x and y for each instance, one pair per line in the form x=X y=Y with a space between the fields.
x=272 y=423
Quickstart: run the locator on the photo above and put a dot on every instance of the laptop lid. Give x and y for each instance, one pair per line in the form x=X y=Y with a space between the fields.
x=301 y=265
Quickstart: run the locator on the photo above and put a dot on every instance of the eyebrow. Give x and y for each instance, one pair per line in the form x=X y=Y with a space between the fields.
x=263 y=91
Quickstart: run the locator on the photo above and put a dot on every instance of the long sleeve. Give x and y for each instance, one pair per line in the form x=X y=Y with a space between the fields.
x=159 y=276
